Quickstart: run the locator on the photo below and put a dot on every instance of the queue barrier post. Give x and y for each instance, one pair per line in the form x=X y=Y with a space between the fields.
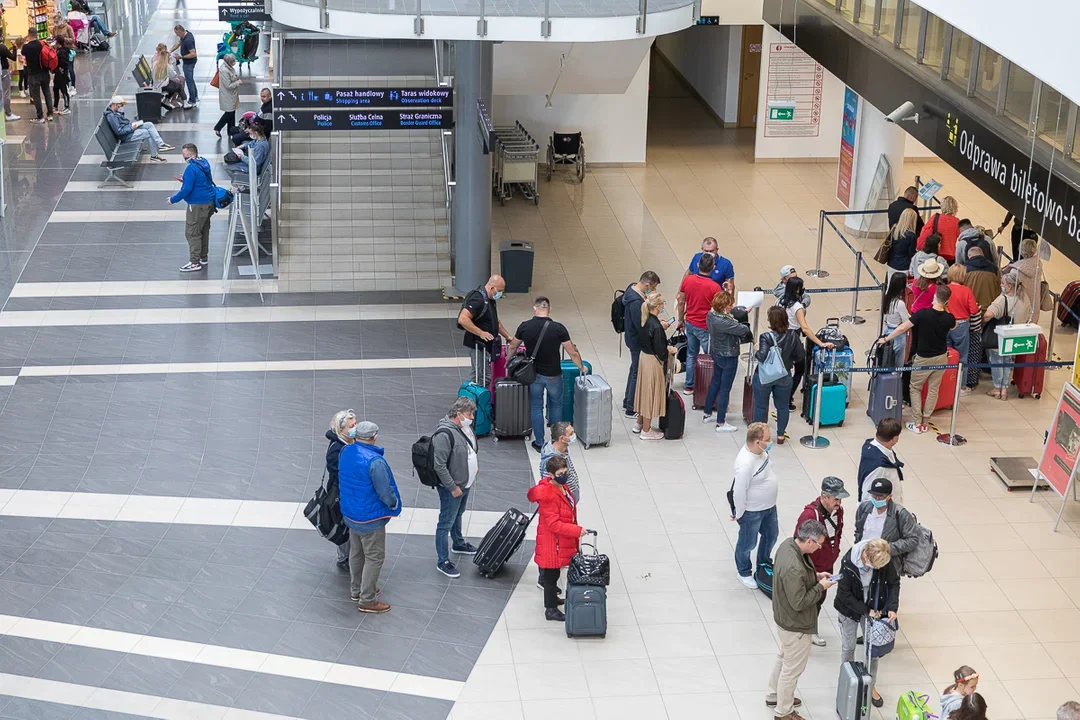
x=817 y=272
x=816 y=441
x=951 y=438
x=854 y=318
x=1053 y=325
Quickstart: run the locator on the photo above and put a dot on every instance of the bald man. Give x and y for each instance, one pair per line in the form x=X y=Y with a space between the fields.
x=479 y=318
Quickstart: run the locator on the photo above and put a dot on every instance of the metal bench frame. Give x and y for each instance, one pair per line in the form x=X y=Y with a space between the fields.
x=118 y=153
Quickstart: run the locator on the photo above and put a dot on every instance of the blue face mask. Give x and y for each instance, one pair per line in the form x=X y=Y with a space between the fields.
x=351 y=432
x=768 y=447
x=497 y=295
x=879 y=503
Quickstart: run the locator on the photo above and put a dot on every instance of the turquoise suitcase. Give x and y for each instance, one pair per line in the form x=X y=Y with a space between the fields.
x=833 y=403
x=482 y=397
x=570 y=373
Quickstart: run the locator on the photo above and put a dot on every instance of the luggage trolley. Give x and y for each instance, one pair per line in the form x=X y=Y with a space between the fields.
x=515 y=164
x=566 y=149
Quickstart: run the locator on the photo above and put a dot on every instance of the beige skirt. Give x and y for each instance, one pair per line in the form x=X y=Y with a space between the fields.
x=650 y=399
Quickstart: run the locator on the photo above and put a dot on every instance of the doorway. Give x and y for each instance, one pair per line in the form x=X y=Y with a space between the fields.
x=749 y=76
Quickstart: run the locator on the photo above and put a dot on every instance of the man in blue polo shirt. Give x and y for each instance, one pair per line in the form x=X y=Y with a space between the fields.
x=723 y=271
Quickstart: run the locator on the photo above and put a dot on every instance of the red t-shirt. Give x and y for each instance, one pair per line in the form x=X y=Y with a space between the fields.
x=948 y=227
x=699 y=292
x=962 y=303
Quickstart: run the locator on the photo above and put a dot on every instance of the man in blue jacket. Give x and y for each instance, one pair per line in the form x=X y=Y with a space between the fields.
x=136 y=131
x=198 y=191
x=369 y=498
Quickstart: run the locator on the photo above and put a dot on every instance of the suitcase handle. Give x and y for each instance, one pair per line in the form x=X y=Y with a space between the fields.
x=591 y=545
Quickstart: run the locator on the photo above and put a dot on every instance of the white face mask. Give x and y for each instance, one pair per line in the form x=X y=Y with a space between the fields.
x=571 y=440
x=466 y=422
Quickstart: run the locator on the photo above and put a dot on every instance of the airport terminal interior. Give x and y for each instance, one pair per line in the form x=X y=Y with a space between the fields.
x=161 y=431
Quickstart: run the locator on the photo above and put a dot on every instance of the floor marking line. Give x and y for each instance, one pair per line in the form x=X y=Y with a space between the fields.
x=216 y=315
x=236 y=366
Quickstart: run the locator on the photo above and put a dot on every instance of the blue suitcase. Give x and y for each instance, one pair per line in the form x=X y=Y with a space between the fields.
x=841 y=359
x=570 y=373
x=833 y=403
x=886 y=397
x=482 y=397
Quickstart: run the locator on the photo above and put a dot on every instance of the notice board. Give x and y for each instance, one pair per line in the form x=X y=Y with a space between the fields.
x=793 y=75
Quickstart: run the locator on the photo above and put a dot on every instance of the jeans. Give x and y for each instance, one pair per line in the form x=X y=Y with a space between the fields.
x=38 y=85
x=899 y=345
x=848 y=628
x=960 y=338
x=1001 y=376
x=751 y=524
x=147 y=131
x=5 y=89
x=724 y=369
x=696 y=339
x=780 y=391
x=554 y=387
x=450 y=511
x=189 y=79
x=921 y=411
x=367 y=552
x=97 y=24
x=631 y=382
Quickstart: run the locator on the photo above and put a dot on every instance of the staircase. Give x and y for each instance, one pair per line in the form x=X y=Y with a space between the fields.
x=363 y=209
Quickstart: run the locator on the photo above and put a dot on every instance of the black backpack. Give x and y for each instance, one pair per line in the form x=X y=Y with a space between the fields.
x=618 y=312
x=423 y=457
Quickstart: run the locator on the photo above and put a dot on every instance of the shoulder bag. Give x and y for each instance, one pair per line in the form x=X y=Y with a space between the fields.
x=989 y=337
x=522 y=368
x=885 y=251
x=323 y=511
x=222 y=197
x=772 y=368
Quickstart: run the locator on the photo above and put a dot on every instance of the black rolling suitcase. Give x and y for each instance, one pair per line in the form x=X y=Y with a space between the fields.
x=511 y=409
x=501 y=542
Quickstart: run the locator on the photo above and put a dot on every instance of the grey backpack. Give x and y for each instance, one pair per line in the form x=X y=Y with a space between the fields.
x=921 y=559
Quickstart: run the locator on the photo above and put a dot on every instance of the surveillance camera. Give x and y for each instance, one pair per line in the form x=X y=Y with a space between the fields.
x=903 y=113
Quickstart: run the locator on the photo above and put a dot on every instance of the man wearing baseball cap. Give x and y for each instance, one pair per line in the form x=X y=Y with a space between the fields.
x=881 y=517
x=828 y=510
x=789 y=271
x=138 y=131
x=369 y=499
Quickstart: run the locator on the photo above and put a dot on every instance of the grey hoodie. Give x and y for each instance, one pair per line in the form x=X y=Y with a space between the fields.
x=452 y=463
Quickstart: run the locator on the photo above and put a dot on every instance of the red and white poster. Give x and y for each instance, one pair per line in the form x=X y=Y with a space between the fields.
x=1058 y=460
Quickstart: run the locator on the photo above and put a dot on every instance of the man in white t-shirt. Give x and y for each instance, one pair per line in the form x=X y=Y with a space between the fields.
x=753 y=502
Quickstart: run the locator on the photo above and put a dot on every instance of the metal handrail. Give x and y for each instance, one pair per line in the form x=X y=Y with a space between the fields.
x=446 y=145
x=275 y=196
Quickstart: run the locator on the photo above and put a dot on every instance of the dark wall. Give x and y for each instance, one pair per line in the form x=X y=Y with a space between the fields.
x=984 y=148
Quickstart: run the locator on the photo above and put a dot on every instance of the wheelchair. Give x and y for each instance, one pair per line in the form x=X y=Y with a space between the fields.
x=566 y=149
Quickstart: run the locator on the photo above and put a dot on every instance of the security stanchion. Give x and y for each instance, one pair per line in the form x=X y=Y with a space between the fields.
x=815 y=440
x=854 y=318
x=817 y=272
x=951 y=438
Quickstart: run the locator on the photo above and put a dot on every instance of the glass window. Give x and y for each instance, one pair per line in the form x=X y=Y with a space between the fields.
x=935 y=41
x=887 y=28
x=1076 y=142
x=847 y=9
x=960 y=58
x=909 y=33
x=1053 y=115
x=1018 y=94
x=989 y=76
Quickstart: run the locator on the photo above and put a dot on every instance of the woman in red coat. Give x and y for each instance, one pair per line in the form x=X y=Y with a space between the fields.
x=557 y=532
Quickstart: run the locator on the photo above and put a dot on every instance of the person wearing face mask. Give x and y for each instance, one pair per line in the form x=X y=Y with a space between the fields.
x=557 y=531
x=341 y=433
x=632 y=300
x=479 y=318
x=881 y=517
x=753 y=496
x=198 y=191
x=456 y=465
x=879 y=460
x=650 y=401
x=562 y=437
x=828 y=509
x=369 y=500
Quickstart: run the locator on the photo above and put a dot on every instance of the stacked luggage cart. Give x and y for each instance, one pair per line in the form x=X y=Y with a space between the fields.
x=516 y=155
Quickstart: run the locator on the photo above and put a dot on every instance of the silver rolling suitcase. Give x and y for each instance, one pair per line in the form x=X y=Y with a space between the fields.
x=592 y=410
x=853 y=688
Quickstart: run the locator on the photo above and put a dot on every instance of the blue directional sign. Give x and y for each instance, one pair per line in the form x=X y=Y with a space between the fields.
x=363 y=97
x=423 y=119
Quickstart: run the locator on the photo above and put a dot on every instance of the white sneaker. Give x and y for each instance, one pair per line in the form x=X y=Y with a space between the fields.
x=965 y=391
x=12 y=117
x=72 y=92
x=688 y=391
x=726 y=428
x=188 y=106
x=748 y=581
x=818 y=641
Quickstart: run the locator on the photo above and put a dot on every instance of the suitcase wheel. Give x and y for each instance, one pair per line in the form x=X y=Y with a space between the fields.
x=585 y=445
x=1020 y=395
x=840 y=424
x=495 y=439
x=1037 y=395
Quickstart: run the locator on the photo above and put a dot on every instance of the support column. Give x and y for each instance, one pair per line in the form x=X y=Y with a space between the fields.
x=472 y=195
x=876 y=137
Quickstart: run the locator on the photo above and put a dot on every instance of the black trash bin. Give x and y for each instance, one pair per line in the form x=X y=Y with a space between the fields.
x=516 y=265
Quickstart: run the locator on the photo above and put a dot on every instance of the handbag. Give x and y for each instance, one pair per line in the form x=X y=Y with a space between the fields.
x=989 y=337
x=772 y=368
x=216 y=80
x=522 y=368
x=222 y=196
x=589 y=568
x=1046 y=300
x=323 y=511
x=885 y=251
x=881 y=636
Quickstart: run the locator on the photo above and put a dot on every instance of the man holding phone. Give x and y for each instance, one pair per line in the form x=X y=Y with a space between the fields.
x=197 y=190
x=829 y=511
x=128 y=131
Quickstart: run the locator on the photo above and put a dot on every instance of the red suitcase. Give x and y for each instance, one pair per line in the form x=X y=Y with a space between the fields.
x=703 y=374
x=1029 y=380
x=947 y=389
x=1069 y=297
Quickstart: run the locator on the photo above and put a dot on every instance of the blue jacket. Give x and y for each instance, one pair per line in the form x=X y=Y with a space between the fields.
x=119 y=123
x=197 y=188
x=369 y=495
x=258 y=149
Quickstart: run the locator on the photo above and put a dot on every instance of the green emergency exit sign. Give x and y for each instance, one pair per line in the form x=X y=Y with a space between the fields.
x=781 y=113
x=1022 y=345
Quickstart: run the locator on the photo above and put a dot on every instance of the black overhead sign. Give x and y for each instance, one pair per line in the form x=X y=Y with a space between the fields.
x=362 y=119
x=237 y=10
x=363 y=97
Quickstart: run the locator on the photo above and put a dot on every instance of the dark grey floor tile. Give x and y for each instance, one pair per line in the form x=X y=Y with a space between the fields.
x=401 y=622
x=42 y=576
x=145 y=674
x=67 y=606
x=331 y=700
x=376 y=650
x=484 y=602
x=128 y=614
x=396 y=706
x=283 y=696
x=210 y=684
x=155 y=589
x=271 y=605
x=183 y=622
x=249 y=632
x=443 y=660
x=80 y=665
x=23 y=656
x=315 y=642
x=23 y=709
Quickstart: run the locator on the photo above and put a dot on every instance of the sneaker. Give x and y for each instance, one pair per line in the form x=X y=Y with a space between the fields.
x=917 y=429
x=65 y=111
x=204 y=261
x=791 y=407
x=965 y=391
x=188 y=105
x=12 y=117
x=772 y=702
x=38 y=121
x=636 y=428
x=191 y=267
x=156 y=158
x=112 y=34
x=72 y=92
x=447 y=568
x=706 y=419
x=688 y=391
x=630 y=414
x=166 y=148
x=50 y=117
x=652 y=435
x=555 y=615
x=748 y=581
x=344 y=565
x=376 y=607
x=818 y=641
x=467 y=549
x=22 y=94
x=726 y=428
x=537 y=446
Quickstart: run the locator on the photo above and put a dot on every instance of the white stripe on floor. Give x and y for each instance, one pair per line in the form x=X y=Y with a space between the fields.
x=195 y=316
x=118 y=701
x=95 y=216
x=218 y=512
x=14 y=139
x=235 y=367
x=8 y=380
x=228 y=657
x=144 y=159
x=170 y=186
x=137 y=287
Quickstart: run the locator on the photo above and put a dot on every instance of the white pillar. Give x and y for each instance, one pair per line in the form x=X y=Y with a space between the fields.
x=876 y=137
